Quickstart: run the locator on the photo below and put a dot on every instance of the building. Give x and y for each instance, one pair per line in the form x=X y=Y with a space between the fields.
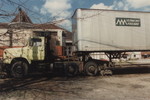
x=17 y=32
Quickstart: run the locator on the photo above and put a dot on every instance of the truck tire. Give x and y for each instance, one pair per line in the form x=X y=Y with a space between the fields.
x=71 y=69
x=91 y=68
x=19 y=69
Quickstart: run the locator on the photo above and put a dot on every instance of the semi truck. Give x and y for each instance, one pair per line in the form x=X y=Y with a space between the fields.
x=94 y=30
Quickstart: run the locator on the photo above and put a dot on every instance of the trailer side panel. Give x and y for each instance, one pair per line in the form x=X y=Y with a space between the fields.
x=108 y=30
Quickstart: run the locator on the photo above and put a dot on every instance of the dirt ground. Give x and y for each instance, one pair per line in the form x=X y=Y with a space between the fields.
x=132 y=83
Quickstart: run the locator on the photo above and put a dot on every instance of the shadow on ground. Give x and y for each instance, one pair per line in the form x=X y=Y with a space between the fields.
x=15 y=84
x=12 y=84
x=139 y=69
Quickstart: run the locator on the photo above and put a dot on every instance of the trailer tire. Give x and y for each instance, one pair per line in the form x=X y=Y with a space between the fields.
x=91 y=68
x=71 y=69
x=19 y=69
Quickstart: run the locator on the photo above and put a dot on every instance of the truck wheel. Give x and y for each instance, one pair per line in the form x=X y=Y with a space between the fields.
x=71 y=69
x=91 y=68
x=19 y=69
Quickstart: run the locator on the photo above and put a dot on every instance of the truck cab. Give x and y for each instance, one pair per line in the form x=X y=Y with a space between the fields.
x=40 y=52
x=34 y=50
x=17 y=60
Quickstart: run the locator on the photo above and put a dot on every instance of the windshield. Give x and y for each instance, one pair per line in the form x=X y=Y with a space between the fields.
x=35 y=42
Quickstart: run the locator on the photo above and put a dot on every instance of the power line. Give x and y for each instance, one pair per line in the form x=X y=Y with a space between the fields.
x=22 y=5
x=7 y=14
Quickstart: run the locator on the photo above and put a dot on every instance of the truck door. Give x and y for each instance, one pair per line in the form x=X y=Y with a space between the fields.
x=36 y=49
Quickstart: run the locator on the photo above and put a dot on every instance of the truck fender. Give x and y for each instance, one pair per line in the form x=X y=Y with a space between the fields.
x=21 y=59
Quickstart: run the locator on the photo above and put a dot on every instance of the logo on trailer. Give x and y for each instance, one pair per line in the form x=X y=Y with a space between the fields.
x=128 y=22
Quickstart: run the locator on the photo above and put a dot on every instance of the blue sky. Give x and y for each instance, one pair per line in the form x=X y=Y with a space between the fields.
x=42 y=11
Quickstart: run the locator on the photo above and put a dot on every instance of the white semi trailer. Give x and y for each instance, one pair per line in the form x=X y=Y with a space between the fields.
x=111 y=31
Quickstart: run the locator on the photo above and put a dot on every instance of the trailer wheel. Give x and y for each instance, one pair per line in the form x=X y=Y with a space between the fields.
x=91 y=68
x=71 y=69
x=19 y=69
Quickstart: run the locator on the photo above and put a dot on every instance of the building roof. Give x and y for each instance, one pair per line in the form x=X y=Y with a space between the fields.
x=4 y=25
x=22 y=17
x=46 y=26
x=36 y=26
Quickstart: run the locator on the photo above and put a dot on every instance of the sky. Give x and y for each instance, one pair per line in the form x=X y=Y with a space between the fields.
x=60 y=11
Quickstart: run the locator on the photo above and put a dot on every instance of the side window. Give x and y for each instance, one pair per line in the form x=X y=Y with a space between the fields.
x=35 y=42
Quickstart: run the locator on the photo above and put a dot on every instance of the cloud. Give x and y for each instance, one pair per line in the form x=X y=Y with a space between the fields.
x=54 y=7
x=116 y=5
x=100 y=6
x=57 y=9
x=35 y=8
x=125 y=5
x=120 y=5
x=139 y=3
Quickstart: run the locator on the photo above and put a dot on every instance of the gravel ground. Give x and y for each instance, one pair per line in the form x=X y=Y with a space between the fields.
x=131 y=83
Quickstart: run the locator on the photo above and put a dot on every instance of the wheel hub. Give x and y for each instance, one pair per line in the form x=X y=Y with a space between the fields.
x=91 y=69
x=19 y=69
x=71 y=69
